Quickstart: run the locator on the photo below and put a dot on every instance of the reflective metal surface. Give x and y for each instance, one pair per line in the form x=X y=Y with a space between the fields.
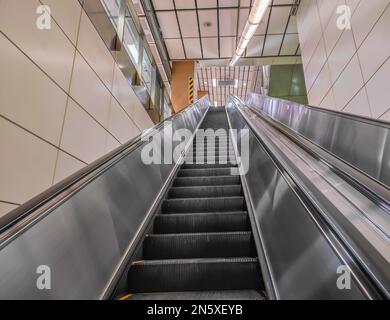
x=302 y=252
x=84 y=238
x=363 y=143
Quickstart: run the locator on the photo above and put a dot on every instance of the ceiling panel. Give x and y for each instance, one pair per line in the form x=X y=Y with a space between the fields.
x=188 y=24
x=163 y=4
x=208 y=23
x=193 y=48
x=279 y=19
x=290 y=45
x=185 y=4
x=168 y=24
x=175 y=49
x=215 y=26
x=272 y=45
x=228 y=22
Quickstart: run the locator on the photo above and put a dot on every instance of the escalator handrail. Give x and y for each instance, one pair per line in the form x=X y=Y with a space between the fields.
x=372 y=283
x=354 y=117
x=371 y=187
x=68 y=185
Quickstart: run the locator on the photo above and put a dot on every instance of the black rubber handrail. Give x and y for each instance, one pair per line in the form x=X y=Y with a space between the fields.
x=91 y=171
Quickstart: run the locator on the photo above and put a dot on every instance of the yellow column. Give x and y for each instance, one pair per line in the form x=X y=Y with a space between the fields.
x=183 y=93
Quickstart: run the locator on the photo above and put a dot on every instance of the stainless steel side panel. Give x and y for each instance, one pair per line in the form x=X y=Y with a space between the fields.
x=84 y=239
x=302 y=262
x=362 y=143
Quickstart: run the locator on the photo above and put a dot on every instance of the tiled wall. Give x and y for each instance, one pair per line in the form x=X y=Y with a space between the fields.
x=347 y=70
x=63 y=100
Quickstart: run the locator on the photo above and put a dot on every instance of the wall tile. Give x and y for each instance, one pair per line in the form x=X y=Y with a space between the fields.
x=141 y=117
x=372 y=58
x=365 y=17
x=326 y=10
x=320 y=87
x=378 y=90
x=348 y=84
x=386 y=116
x=359 y=105
x=5 y=208
x=316 y=64
x=67 y=14
x=332 y=33
x=28 y=97
x=66 y=166
x=26 y=165
x=89 y=91
x=82 y=137
x=50 y=49
x=95 y=51
x=328 y=102
x=111 y=143
x=341 y=55
x=123 y=92
x=120 y=124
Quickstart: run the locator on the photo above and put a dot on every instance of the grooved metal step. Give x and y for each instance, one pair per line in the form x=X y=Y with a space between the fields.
x=204 y=172
x=237 y=295
x=195 y=275
x=203 y=205
x=206 y=166
x=205 y=192
x=199 y=245
x=206 y=181
x=201 y=222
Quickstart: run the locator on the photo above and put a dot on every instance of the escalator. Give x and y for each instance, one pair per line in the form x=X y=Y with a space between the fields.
x=201 y=245
x=129 y=229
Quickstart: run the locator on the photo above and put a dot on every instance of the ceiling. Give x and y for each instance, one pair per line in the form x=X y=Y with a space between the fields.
x=246 y=76
x=211 y=29
x=245 y=79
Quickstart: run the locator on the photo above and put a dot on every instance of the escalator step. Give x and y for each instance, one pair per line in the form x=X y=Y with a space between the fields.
x=204 y=172
x=212 y=160
x=203 y=205
x=205 y=192
x=206 y=181
x=195 y=275
x=199 y=245
x=207 y=166
x=237 y=295
x=202 y=222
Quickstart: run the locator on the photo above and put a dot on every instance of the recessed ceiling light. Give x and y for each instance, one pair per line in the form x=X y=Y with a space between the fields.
x=214 y=83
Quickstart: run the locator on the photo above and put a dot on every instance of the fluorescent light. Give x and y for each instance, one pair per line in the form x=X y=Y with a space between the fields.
x=205 y=83
x=236 y=83
x=234 y=60
x=215 y=103
x=258 y=11
x=214 y=83
x=256 y=16
x=249 y=30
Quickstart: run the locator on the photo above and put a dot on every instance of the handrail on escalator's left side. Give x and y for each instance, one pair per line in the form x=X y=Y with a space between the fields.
x=51 y=197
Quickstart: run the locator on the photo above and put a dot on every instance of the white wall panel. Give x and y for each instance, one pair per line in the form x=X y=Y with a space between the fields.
x=356 y=60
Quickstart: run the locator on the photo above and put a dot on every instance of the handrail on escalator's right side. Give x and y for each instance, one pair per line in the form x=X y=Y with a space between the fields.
x=74 y=182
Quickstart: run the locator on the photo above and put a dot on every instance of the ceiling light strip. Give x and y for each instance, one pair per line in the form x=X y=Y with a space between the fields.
x=255 y=18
